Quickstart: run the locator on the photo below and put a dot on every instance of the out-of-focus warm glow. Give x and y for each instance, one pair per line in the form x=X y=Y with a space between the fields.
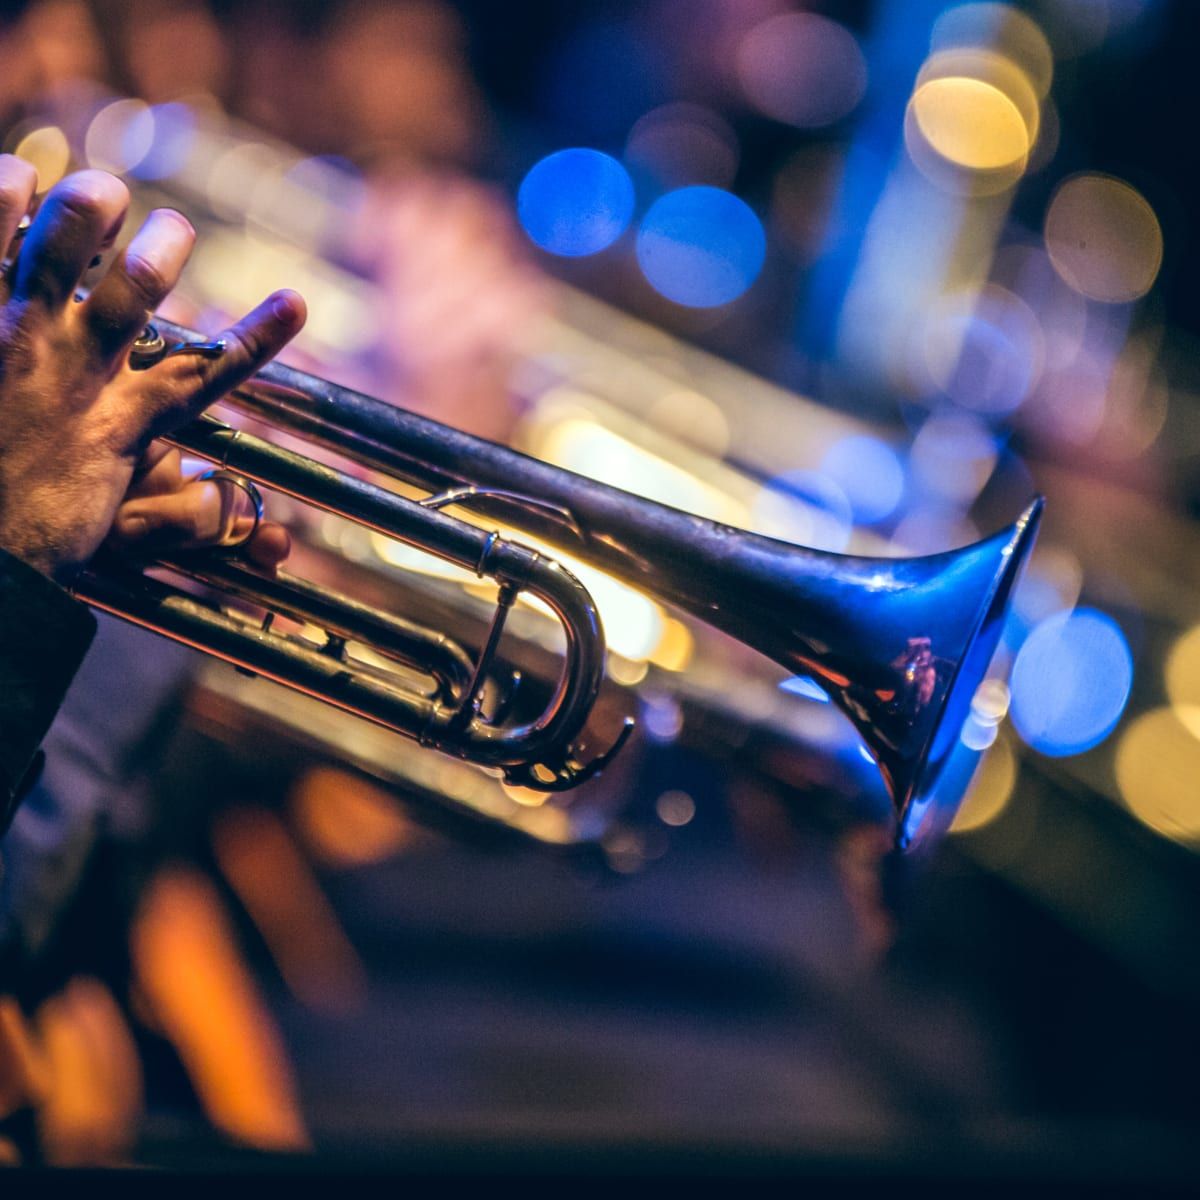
x=120 y=136
x=627 y=671
x=89 y=1115
x=202 y=996
x=48 y=152
x=990 y=788
x=802 y=69
x=581 y=444
x=526 y=797
x=259 y=858
x=972 y=121
x=693 y=418
x=675 y=647
x=345 y=822
x=1183 y=679
x=1158 y=772
x=1104 y=238
x=971 y=124
x=675 y=808
x=1003 y=29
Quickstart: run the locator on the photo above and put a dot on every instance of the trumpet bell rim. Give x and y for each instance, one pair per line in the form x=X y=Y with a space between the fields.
x=927 y=811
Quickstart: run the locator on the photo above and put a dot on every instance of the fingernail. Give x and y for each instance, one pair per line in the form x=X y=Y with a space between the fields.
x=132 y=527
x=284 y=308
x=163 y=243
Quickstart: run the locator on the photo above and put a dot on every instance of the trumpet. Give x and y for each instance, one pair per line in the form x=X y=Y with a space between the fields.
x=900 y=645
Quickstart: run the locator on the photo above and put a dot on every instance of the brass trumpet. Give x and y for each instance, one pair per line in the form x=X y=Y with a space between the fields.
x=900 y=645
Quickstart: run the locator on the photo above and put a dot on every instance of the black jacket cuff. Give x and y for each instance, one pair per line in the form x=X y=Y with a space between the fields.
x=44 y=634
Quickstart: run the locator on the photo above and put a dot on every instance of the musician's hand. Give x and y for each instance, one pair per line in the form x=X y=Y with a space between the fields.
x=166 y=509
x=75 y=420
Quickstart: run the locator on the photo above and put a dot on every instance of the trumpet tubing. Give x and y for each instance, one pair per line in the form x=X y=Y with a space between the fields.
x=899 y=644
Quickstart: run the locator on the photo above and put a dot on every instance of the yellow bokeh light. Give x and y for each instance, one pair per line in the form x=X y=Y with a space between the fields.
x=675 y=647
x=1183 y=679
x=972 y=121
x=990 y=788
x=1158 y=772
x=48 y=152
x=1103 y=238
x=1003 y=29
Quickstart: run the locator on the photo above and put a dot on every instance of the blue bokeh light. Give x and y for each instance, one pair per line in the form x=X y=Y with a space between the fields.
x=701 y=246
x=575 y=202
x=869 y=471
x=174 y=128
x=1070 y=682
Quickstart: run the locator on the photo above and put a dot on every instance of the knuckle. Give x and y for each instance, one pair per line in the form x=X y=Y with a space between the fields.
x=146 y=279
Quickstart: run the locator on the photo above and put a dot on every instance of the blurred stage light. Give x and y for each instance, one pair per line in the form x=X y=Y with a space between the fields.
x=681 y=144
x=972 y=121
x=575 y=202
x=1183 y=679
x=1158 y=765
x=1003 y=30
x=174 y=133
x=701 y=246
x=693 y=418
x=990 y=788
x=933 y=528
x=1070 y=682
x=675 y=646
x=119 y=136
x=48 y=152
x=870 y=473
x=675 y=808
x=660 y=716
x=984 y=350
x=802 y=69
x=1103 y=238
x=805 y=507
x=953 y=456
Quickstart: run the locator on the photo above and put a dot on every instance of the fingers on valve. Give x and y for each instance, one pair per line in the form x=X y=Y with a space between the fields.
x=140 y=280
x=77 y=218
x=183 y=385
x=18 y=183
x=204 y=512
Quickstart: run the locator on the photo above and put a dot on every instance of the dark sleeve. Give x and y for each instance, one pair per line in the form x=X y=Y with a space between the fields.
x=44 y=634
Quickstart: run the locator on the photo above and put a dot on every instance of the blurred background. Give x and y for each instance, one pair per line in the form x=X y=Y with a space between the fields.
x=863 y=274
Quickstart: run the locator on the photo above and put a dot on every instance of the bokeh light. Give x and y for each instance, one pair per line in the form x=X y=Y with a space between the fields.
x=47 y=151
x=1103 y=238
x=1158 y=773
x=972 y=121
x=174 y=132
x=802 y=69
x=1070 y=682
x=984 y=350
x=701 y=246
x=119 y=136
x=990 y=789
x=870 y=473
x=806 y=507
x=1183 y=679
x=953 y=456
x=680 y=144
x=1002 y=29
x=575 y=202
